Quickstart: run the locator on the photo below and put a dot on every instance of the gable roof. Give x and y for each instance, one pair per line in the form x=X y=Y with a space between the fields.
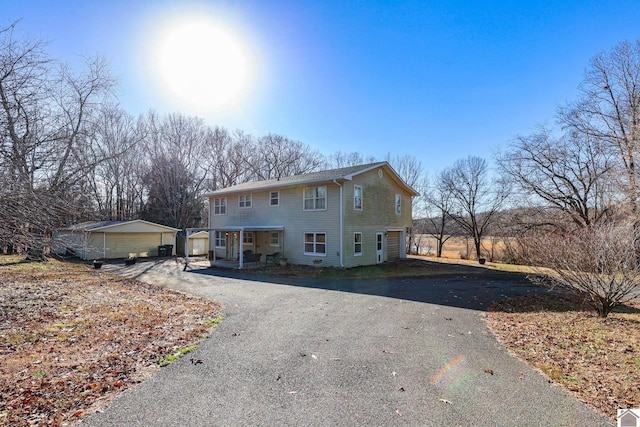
x=341 y=174
x=101 y=225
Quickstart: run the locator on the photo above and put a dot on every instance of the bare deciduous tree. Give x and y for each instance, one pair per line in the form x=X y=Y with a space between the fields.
x=438 y=205
x=340 y=159
x=46 y=112
x=117 y=182
x=476 y=199
x=569 y=174
x=275 y=156
x=176 y=175
x=608 y=111
x=225 y=156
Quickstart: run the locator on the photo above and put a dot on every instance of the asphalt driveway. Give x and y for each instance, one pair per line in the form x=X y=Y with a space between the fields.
x=293 y=351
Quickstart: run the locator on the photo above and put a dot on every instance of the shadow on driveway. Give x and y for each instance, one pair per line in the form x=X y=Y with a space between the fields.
x=468 y=287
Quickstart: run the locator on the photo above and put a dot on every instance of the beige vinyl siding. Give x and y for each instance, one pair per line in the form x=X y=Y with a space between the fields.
x=378 y=215
x=168 y=238
x=137 y=238
x=123 y=245
x=95 y=246
x=293 y=217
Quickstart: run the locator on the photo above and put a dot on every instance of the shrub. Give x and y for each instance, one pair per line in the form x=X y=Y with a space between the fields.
x=598 y=262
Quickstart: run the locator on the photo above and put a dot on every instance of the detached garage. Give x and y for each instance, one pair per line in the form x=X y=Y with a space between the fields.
x=113 y=239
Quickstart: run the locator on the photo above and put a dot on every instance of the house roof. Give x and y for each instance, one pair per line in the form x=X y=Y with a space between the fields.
x=341 y=174
x=101 y=225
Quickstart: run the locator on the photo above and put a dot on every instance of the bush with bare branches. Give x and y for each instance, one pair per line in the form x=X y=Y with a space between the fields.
x=598 y=262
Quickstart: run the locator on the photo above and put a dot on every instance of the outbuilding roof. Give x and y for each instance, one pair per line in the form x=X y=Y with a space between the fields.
x=101 y=225
x=341 y=174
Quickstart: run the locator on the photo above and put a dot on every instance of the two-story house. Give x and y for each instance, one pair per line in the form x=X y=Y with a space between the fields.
x=345 y=217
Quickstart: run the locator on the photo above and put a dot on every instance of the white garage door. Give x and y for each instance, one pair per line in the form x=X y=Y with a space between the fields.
x=199 y=246
x=123 y=245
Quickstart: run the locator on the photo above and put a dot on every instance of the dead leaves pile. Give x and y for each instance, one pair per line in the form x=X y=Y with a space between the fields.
x=71 y=338
x=598 y=360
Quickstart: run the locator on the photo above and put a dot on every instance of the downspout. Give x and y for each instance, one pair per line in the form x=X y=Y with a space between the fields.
x=341 y=224
x=211 y=254
x=104 y=245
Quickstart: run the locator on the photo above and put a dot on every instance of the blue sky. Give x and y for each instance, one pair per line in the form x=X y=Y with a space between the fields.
x=438 y=80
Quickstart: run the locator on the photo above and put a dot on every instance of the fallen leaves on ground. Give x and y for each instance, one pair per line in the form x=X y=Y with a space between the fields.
x=71 y=338
x=596 y=359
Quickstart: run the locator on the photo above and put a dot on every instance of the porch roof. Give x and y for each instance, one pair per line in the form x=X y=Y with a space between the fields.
x=249 y=228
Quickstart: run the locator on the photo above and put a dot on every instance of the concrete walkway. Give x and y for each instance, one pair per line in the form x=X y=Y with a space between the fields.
x=384 y=352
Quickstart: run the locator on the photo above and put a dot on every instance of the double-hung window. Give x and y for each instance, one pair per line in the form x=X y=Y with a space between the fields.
x=357 y=244
x=248 y=238
x=315 y=244
x=315 y=198
x=357 y=197
x=244 y=201
x=220 y=206
x=274 y=198
x=398 y=203
x=221 y=239
x=274 y=239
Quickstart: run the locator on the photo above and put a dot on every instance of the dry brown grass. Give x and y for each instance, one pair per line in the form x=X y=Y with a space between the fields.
x=71 y=337
x=597 y=360
x=462 y=248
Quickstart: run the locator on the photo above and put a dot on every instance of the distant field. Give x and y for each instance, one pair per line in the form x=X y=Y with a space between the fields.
x=462 y=248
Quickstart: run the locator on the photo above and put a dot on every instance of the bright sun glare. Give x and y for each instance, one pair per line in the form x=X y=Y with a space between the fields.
x=201 y=64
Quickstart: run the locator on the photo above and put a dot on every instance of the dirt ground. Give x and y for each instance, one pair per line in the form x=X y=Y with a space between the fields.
x=72 y=337
x=598 y=360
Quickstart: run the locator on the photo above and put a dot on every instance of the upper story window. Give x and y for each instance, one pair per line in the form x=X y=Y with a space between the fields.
x=357 y=197
x=398 y=204
x=274 y=198
x=244 y=201
x=315 y=244
x=315 y=198
x=220 y=206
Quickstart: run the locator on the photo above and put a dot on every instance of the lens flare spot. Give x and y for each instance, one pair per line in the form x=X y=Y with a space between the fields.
x=450 y=372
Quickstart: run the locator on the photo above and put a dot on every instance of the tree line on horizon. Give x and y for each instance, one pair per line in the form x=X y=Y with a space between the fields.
x=70 y=153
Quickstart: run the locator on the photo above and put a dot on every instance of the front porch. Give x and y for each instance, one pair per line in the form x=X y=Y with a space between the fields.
x=246 y=247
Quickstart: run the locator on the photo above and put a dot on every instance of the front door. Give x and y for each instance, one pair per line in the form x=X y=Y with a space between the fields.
x=233 y=246
x=379 y=248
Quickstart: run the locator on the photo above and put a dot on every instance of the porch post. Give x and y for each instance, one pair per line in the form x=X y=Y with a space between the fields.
x=214 y=244
x=186 y=246
x=240 y=248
